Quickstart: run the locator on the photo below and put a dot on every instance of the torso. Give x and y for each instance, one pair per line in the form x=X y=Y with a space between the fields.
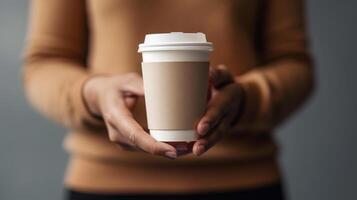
x=118 y=26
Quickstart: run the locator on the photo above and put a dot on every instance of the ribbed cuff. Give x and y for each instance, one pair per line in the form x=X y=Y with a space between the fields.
x=85 y=118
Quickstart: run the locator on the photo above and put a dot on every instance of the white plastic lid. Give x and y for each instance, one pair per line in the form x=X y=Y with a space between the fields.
x=175 y=41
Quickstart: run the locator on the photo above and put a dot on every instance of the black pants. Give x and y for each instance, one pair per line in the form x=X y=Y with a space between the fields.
x=272 y=192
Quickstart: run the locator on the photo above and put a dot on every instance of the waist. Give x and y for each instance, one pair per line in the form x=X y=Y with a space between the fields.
x=88 y=175
x=270 y=191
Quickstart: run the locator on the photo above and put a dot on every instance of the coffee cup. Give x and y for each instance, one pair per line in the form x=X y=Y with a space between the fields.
x=175 y=70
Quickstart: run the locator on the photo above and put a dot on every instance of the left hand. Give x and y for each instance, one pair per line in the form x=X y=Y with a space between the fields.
x=222 y=111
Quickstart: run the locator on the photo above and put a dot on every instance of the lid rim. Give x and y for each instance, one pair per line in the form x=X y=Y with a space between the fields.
x=176 y=48
x=176 y=44
x=178 y=41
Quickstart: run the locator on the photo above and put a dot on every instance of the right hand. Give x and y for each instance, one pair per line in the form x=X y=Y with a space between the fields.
x=112 y=97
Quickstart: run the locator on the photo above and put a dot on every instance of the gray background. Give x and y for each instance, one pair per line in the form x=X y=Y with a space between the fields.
x=319 y=151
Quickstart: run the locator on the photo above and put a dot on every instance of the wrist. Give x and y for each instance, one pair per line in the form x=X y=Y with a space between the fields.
x=90 y=95
x=241 y=102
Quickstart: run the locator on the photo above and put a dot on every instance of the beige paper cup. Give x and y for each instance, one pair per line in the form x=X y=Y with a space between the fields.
x=175 y=73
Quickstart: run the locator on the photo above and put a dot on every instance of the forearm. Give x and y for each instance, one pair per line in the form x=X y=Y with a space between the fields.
x=274 y=91
x=54 y=87
x=55 y=61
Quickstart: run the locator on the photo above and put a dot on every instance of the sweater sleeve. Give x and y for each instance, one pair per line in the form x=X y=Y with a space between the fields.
x=278 y=87
x=54 y=62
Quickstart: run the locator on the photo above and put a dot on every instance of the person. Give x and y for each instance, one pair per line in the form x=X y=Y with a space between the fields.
x=82 y=70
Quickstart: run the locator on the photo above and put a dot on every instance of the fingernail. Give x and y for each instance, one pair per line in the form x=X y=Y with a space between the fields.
x=200 y=150
x=171 y=154
x=204 y=129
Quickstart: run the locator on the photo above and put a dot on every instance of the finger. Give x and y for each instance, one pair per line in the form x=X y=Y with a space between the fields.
x=220 y=76
x=141 y=139
x=134 y=134
x=216 y=110
x=152 y=146
x=202 y=145
x=119 y=139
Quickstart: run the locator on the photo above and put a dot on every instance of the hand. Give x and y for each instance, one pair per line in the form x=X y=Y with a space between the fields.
x=112 y=97
x=222 y=111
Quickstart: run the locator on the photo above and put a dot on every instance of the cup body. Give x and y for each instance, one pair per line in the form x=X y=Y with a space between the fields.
x=175 y=83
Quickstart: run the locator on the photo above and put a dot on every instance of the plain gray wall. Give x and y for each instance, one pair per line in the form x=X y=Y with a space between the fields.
x=318 y=144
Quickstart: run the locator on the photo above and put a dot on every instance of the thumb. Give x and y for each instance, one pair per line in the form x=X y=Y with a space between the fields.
x=220 y=76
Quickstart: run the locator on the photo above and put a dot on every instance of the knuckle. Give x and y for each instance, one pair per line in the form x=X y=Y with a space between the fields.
x=212 y=115
x=155 y=149
x=132 y=137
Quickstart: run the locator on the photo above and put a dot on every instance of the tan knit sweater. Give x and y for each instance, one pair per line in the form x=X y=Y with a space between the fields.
x=262 y=42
